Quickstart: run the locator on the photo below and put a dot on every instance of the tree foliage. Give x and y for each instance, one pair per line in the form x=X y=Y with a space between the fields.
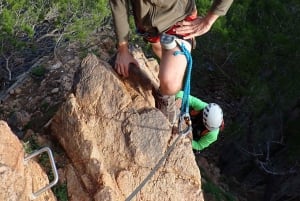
x=257 y=45
x=25 y=23
x=74 y=19
x=267 y=55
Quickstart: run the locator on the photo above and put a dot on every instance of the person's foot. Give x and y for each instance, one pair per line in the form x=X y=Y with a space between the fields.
x=166 y=104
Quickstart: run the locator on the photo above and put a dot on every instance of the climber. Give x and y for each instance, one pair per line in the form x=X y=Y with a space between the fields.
x=207 y=121
x=153 y=18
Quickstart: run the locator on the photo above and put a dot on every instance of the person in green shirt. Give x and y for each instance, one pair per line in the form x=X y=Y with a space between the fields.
x=207 y=118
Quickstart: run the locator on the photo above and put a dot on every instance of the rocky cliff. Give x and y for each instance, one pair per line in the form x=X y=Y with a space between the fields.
x=114 y=137
x=104 y=129
x=19 y=179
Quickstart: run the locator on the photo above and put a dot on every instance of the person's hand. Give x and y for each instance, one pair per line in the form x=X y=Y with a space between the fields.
x=123 y=60
x=197 y=27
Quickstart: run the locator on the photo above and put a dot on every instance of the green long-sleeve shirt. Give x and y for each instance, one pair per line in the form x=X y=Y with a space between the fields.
x=156 y=16
x=209 y=137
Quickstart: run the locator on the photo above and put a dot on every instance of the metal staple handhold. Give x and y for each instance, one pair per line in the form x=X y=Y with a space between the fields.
x=52 y=162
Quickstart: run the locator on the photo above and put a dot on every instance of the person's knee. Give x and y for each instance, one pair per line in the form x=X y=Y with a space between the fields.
x=169 y=87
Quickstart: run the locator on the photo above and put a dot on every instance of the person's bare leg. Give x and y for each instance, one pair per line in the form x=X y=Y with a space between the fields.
x=172 y=68
x=171 y=71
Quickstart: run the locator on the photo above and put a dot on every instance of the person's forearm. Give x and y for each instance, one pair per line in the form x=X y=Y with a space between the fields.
x=205 y=140
x=194 y=102
x=202 y=143
x=197 y=146
x=119 y=10
x=211 y=18
x=220 y=7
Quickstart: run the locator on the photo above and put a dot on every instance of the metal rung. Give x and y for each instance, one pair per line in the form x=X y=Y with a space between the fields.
x=54 y=170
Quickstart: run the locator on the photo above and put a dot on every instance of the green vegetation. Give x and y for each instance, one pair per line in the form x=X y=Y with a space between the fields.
x=61 y=192
x=31 y=145
x=212 y=189
x=217 y=192
x=70 y=19
x=74 y=18
x=256 y=44
x=38 y=71
x=255 y=49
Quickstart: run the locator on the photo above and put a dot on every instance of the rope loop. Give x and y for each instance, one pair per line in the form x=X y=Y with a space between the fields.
x=184 y=111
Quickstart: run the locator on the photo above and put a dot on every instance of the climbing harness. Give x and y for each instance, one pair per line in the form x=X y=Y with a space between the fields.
x=168 y=43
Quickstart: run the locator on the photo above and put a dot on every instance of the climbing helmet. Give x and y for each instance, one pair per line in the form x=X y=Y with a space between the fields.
x=212 y=116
